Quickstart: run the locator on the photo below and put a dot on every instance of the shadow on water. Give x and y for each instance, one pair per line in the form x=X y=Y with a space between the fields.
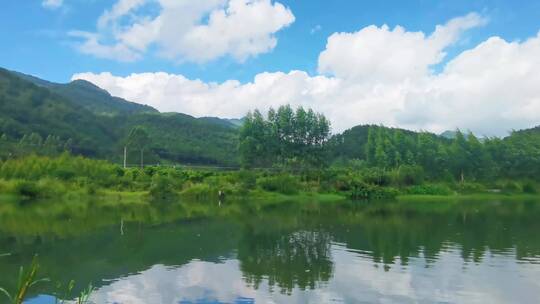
x=281 y=248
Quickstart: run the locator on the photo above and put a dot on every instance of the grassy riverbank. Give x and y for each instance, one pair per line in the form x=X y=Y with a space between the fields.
x=69 y=178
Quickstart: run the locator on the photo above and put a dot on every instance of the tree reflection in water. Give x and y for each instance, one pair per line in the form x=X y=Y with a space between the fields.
x=286 y=250
x=287 y=260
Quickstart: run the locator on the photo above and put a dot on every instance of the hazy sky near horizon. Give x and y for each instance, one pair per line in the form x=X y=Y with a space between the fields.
x=423 y=65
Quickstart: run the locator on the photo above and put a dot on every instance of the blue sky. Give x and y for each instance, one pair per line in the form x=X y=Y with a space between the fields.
x=59 y=40
x=34 y=38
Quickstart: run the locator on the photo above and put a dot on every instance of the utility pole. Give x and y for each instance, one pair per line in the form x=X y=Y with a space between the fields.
x=125 y=157
x=142 y=159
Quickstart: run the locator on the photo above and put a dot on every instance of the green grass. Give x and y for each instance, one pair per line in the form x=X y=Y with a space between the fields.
x=468 y=197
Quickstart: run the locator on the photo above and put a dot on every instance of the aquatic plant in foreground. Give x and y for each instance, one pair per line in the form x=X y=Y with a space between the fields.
x=26 y=280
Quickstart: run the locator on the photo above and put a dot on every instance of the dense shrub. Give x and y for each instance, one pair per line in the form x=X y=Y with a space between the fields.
x=64 y=167
x=5 y=187
x=27 y=189
x=429 y=189
x=43 y=188
x=377 y=176
x=342 y=182
x=282 y=183
x=161 y=187
x=408 y=175
x=530 y=187
x=247 y=179
x=469 y=187
x=199 y=191
x=197 y=176
x=50 y=187
x=363 y=191
x=216 y=182
x=511 y=187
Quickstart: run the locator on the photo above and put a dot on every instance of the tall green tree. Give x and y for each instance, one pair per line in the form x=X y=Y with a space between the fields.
x=371 y=146
x=256 y=146
x=459 y=154
x=285 y=137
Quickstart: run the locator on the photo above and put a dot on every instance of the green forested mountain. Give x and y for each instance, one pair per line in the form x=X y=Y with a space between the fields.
x=26 y=108
x=237 y=123
x=463 y=156
x=90 y=96
x=181 y=138
x=97 y=124
x=284 y=137
x=87 y=120
x=519 y=153
x=351 y=144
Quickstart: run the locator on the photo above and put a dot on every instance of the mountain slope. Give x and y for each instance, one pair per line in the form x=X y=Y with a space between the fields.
x=520 y=153
x=27 y=108
x=38 y=106
x=181 y=138
x=90 y=96
x=99 y=123
x=351 y=144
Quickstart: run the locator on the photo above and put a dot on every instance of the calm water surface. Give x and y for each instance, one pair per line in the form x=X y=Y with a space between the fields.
x=430 y=252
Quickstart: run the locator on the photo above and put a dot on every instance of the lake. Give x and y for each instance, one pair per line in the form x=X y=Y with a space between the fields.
x=350 y=252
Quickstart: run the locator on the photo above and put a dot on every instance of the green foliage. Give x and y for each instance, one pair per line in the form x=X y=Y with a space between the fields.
x=469 y=187
x=511 y=187
x=283 y=183
x=408 y=175
x=285 y=137
x=84 y=297
x=462 y=158
x=83 y=119
x=137 y=138
x=199 y=192
x=27 y=189
x=180 y=138
x=363 y=191
x=530 y=187
x=26 y=280
x=47 y=119
x=162 y=187
x=429 y=189
x=64 y=167
x=28 y=109
x=377 y=176
x=97 y=100
x=518 y=155
x=247 y=179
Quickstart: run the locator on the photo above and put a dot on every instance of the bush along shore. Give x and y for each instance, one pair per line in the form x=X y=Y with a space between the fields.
x=40 y=177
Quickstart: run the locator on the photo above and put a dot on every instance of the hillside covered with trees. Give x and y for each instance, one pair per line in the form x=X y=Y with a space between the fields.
x=37 y=116
x=95 y=124
x=302 y=137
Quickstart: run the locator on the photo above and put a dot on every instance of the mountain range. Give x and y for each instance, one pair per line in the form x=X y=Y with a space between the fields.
x=98 y=124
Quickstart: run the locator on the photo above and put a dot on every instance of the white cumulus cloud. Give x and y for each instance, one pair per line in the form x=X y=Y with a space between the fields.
x=379 y=54
x=92 y=46
x=375 y=75
x=490 y=89
x=196 y=31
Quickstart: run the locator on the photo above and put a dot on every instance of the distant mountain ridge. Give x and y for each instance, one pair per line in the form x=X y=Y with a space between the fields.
x=234 y=122
x=28 y=108
x=90 y=96
x=99 y=101
x=98 y=123
x=452 y=134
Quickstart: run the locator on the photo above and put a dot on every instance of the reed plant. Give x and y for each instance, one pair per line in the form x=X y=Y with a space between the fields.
x=26 y=280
